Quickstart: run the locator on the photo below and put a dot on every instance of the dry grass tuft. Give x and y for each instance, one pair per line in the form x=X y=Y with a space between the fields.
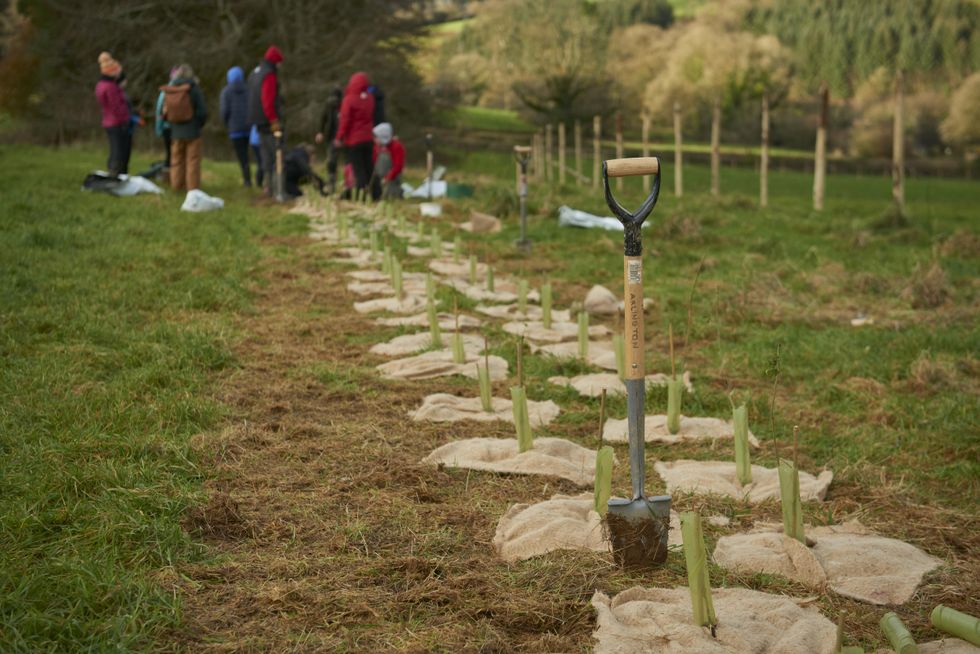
x=928 y=288
x=220 y=518
x=681 y=227
x=964 y=244
x=929 y=375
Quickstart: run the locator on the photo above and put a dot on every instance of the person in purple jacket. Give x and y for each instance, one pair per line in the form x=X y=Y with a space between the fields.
x=115 y=114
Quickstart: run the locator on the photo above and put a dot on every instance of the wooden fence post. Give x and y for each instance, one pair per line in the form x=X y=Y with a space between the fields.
x=561 y=153
x=548 y=145
x=596 y=150
x=646 y=149
x=764 y=159
x=578 y=151
x=678 y=152
x=619 y=147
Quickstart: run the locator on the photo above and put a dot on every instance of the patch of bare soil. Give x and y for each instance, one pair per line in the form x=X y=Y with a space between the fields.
x=333 y=537
x=330 y=536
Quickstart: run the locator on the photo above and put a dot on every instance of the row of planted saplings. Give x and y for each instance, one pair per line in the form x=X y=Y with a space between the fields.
x=943 y=618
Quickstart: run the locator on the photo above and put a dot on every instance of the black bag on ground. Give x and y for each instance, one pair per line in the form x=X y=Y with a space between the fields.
x=101 y=182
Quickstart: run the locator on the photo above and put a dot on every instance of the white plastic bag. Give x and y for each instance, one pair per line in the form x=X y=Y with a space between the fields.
x=438 y=189
x=568 y=217
x=197 y=200
x=123 y=186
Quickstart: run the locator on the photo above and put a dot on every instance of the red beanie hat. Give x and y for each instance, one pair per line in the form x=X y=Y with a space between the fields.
x=273 y=55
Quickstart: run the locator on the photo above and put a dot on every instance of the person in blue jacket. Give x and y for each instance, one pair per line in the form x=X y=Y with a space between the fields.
x=234 y=112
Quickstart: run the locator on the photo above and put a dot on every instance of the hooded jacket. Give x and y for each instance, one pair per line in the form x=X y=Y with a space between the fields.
x=356 y=112
x=264 y=102
x=234 y=104
x=115 y=107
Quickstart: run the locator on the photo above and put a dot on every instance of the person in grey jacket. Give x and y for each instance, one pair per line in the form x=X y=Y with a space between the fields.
x=234 y=113
x=185 y=154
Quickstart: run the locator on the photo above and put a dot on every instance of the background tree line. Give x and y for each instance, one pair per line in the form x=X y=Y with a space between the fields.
x=560 y=60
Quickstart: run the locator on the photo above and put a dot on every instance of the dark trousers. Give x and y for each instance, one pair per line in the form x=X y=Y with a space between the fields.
x=120 y=145
x=267 y=148
x=241 y=151
x=332 y=152
x=259 y=171
x=360 y=157
x=166 y=144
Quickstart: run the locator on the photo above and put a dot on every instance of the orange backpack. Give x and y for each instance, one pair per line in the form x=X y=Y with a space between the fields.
x=177 y=104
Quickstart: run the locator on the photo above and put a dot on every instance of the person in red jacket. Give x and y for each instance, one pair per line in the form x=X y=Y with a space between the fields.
x=354 y=130
x=389 y=160
x=265 y=110
x=115 y=114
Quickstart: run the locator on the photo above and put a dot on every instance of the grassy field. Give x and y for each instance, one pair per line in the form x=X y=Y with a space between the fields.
x=792 y=278
x=115 y=316
x=129 y=328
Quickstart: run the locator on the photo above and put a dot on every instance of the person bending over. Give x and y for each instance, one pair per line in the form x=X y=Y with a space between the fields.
x=298 y=164
x=389 y=160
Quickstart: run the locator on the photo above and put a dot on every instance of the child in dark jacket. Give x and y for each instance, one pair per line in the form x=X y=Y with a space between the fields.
x=234 y=113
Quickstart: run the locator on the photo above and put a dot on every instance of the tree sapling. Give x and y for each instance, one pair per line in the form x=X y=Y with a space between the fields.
x=522 y=425
x=789 y=496
x=434 y=329
x=522 y=296
x=546 y=305
x=743 y=461
x=619 y=348
x=396 y=276
x=698 y=582
x=583 y=334
x=603 y=479
x=342 y=227
x=483 y=374
x=962 y=625
x=675 y=387
x=897 y=634
x=386 y=260
x=459 y=352
x=435 y=246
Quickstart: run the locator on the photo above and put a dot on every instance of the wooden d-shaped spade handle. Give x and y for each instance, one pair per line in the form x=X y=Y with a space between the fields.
x=633 y=300
x=632 y=166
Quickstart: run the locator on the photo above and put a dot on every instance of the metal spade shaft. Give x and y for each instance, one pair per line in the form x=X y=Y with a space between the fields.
x=638 y=527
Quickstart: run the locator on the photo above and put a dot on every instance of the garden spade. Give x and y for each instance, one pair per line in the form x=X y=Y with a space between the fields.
x=278 y=179
x=637 y=527
x=429 y=160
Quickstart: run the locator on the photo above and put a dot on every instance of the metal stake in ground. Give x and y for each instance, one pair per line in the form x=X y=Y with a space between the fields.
x=637 y=527
x=428 y=164
x=522 y=154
